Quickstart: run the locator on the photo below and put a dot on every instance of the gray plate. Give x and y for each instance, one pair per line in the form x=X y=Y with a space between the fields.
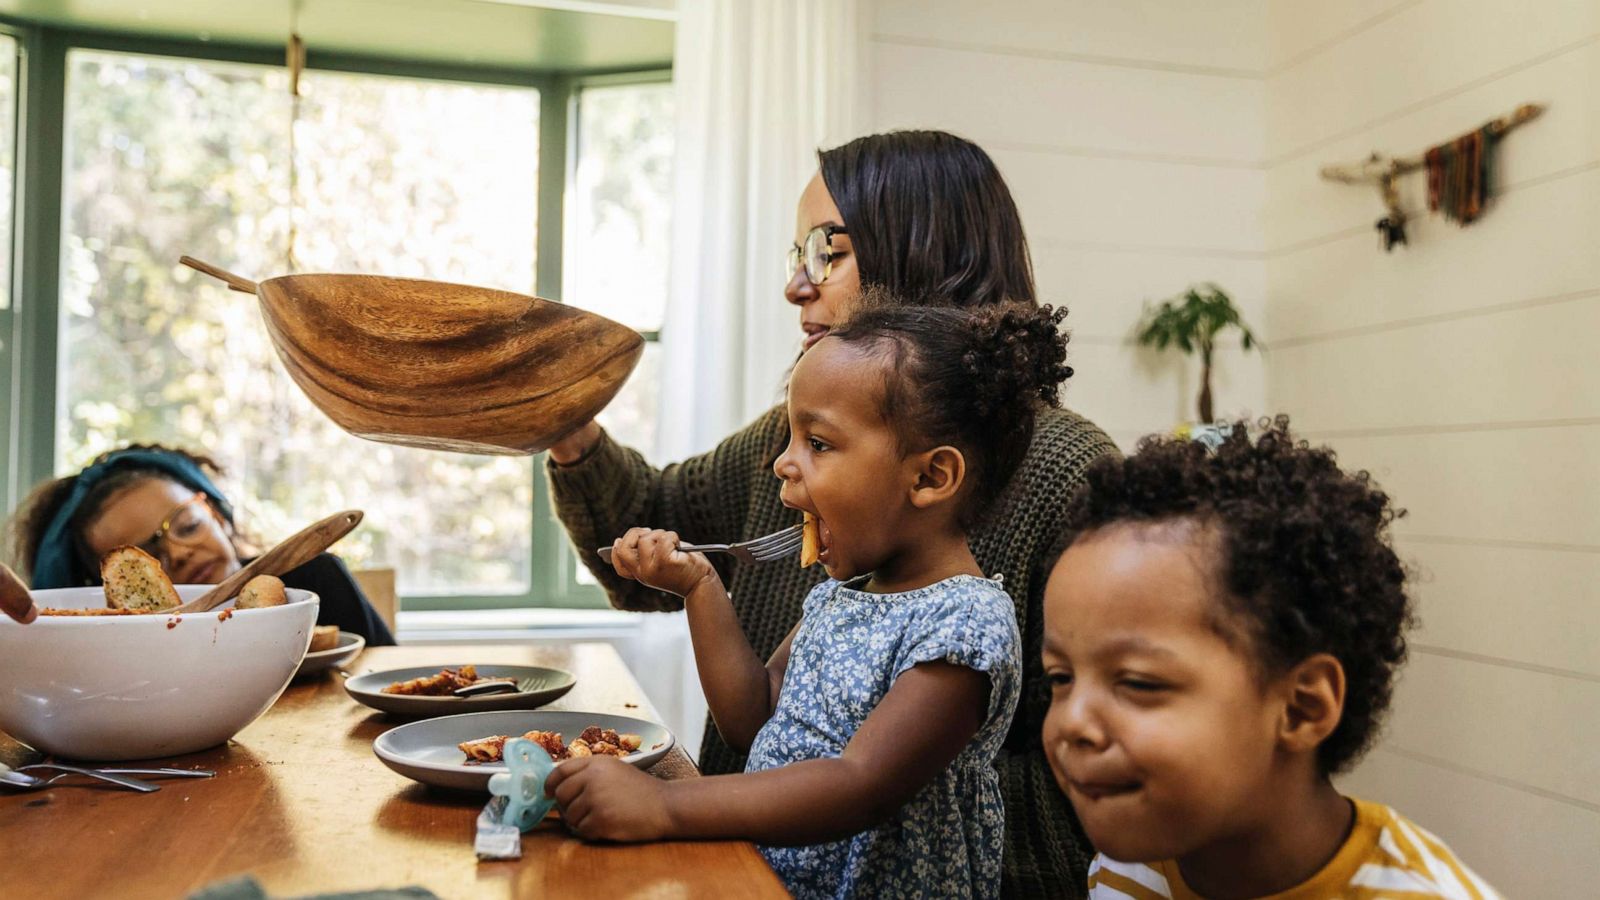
x=321 y=661
x=538 y=687
x=426 y=751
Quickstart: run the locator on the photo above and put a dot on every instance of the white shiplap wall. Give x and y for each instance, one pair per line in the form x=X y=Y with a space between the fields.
x=1461 y=371
x=1155 y=143
x=1131 y=135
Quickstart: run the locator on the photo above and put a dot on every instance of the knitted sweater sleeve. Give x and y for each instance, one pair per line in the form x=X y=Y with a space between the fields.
x=704 y=499
x=1046 y=853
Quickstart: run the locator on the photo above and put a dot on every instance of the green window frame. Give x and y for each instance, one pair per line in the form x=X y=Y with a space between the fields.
x=29 y=326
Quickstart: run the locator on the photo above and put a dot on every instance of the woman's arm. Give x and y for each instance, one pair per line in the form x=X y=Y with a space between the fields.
x=611 y=488
x=899 y=749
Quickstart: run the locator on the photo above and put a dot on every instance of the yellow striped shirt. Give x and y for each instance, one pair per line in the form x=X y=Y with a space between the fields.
x=1386 y=856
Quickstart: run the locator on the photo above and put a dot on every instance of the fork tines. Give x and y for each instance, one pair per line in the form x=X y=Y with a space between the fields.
x=776 y=545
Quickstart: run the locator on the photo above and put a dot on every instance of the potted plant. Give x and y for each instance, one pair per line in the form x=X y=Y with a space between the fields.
x=1192 y=320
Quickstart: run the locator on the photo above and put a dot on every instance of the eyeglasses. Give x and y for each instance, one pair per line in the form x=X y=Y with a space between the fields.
x=816 y=254
x=186 y=526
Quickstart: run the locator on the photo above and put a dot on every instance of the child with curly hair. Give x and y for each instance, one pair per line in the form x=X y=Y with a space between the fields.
x=872 y=731
x=165 y=501
x=1221 y=636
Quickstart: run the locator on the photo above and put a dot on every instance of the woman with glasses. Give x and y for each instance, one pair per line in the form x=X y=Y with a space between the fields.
x=925 y=217
x=164 y=502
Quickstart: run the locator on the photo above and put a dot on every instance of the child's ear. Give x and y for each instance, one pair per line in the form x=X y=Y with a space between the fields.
x=939 y=474
x=1314 y=703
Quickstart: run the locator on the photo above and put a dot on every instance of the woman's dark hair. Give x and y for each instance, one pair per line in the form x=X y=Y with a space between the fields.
x=930 y=218
x=39 y=509
x=1304 y=561
x=972 y=379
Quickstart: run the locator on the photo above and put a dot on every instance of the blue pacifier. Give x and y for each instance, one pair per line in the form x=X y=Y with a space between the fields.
x=523 y=786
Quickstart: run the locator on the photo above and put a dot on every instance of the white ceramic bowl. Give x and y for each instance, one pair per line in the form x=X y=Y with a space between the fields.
x=142 y=687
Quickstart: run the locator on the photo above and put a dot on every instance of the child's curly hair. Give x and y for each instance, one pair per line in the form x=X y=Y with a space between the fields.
x=33 y=516
x=1306 y=564
x=970 y=378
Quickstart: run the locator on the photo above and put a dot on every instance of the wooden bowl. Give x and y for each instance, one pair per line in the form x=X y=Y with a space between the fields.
x=439 y=365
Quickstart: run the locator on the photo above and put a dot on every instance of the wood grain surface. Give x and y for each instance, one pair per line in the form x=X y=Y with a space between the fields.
x=445 y=366
x=301 y=803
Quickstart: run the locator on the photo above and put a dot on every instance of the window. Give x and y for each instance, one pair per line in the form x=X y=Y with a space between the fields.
x=172 y=156
x=619 y=232
x=619 y=237
x=9 y=331
x=8 y=160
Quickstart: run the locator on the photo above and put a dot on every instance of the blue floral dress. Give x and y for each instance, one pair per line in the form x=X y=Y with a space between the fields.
x=851 y=646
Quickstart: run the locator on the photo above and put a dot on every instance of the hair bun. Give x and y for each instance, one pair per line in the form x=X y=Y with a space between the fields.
x=1016 y=349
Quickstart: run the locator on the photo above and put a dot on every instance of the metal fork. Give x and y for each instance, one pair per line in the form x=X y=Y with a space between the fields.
x=23 y=777
x=24 y=781
x=766 y=548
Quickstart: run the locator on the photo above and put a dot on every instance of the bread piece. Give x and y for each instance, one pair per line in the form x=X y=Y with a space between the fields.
x=810 y=541
x=265 y=590
x=134 y=580
x=324 y=637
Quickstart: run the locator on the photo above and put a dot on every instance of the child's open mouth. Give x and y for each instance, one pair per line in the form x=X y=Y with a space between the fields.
x=824 y=542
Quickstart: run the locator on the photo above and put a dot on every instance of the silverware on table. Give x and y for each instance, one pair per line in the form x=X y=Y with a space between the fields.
x=496 y=686
x=766 y=548
x=118 y=770
x=22 y=777
x=20 y=780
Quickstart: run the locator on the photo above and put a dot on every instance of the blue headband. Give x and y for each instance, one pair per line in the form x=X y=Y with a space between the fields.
x=53 y=563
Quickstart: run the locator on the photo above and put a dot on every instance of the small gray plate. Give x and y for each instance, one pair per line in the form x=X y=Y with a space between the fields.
x=426 y=751
x=538 y=686
x=321 y=661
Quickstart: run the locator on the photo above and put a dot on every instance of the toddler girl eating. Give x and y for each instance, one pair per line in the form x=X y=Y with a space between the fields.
x=873 y=728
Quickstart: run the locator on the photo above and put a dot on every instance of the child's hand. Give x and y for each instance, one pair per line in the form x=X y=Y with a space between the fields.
x=605 y=799
x=652 y=558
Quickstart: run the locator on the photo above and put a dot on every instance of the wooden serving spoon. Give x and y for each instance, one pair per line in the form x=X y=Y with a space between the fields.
x=15 y=600
x=296 y=550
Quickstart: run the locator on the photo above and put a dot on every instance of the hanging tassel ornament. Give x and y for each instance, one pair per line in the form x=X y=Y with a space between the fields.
x=1459 y=172
x=1459 y=175
x=1392 y=227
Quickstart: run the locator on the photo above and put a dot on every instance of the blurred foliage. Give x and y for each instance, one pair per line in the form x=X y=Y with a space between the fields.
x=396 y=176
x=8 y=156
x=622 y=210
x=167 y=157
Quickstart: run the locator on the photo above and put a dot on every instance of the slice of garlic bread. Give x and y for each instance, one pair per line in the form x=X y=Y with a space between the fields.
x=134 y=580
x=323 y=637
x=262 y=590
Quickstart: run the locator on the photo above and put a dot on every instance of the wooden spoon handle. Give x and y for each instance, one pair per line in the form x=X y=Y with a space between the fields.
x=237 y=282
x=15 y=601
x=297 y=550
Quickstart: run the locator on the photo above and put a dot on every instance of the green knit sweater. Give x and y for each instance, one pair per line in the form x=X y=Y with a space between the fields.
x=731 y=494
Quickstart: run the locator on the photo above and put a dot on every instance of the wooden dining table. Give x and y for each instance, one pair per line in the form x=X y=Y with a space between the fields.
x=301 y=804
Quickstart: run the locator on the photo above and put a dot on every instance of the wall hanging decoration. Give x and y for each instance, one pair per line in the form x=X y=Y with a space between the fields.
x=1460 y=173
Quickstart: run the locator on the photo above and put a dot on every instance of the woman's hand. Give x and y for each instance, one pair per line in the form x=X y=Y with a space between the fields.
x=605 y=799
x=652 y=558
x=571 y=448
